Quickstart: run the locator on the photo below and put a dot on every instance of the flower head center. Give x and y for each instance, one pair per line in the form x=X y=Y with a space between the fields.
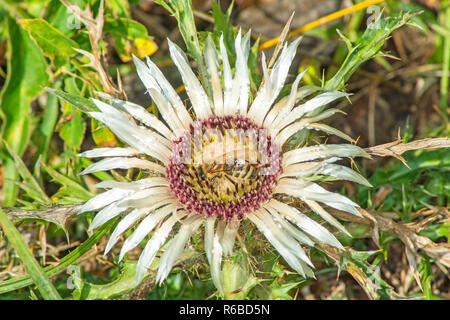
x=224 y=166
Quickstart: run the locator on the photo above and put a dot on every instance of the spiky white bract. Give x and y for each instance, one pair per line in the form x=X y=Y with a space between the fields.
x=154 y=206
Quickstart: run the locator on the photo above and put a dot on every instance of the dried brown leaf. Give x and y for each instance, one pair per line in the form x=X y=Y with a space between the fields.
x=57 y=215
x=281 y=40
x=406 y=233
x=397 y=148
x=95 y=31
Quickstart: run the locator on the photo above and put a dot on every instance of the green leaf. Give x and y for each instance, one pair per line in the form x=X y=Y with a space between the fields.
x=102 y=135
x=417 y=161
x=26 y=75
x=223 y=26
x=236 y=278
x=445 y=79
x=72 y=130
x=255 y=79
x=81 y=103
x=73 y=188
x=121 y=8
x=281 y=291
x=123 y=27
x=46 y=128
x=123 y=284
x=30 y=184
x=365 y=274
x=426 y=17
x=33 y=268
x=130 y=37
x=53 y=43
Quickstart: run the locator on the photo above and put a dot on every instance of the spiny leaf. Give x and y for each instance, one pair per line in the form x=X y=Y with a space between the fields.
x=76 y=190
x=81 y=103
x=57 y=215
x=123 y=284
x=30 y=184
x=223 y=27
x=366 y=47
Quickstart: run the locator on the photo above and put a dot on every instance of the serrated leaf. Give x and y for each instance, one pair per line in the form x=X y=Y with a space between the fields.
x=183 y=12
x=123 y=284
x=81 y=103
x=281 y=291
x=366 y=47
x=222 y=26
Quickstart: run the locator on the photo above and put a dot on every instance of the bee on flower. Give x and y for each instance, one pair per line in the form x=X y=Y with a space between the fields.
x=220 y=161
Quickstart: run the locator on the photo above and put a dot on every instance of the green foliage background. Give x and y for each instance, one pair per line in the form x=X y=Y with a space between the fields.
x=45 y=90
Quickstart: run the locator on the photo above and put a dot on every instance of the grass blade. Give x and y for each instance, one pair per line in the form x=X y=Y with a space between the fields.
x=24 y=281
x=33 y=268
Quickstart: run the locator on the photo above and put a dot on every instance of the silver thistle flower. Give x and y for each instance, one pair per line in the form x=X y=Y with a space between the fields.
x=221 y=164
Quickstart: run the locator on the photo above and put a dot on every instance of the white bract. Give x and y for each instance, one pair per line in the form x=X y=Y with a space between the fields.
x=213 y=197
